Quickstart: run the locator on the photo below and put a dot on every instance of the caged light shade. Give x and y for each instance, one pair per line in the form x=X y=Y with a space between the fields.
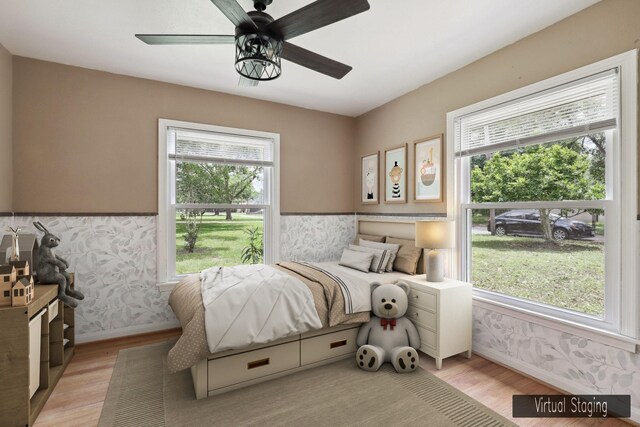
x=258 y=56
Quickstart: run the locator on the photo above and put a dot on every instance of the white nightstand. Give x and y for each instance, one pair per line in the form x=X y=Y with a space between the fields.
x=442 y=313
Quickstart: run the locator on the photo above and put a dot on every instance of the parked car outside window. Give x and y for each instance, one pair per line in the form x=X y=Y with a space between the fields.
x=527 y=223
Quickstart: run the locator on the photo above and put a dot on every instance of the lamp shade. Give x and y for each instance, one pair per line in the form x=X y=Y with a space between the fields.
x=435 y=234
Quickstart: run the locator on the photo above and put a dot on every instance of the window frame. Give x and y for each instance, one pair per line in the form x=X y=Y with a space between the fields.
x=166 y=248
x=625 y=311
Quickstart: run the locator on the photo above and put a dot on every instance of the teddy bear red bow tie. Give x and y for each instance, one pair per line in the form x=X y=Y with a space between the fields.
x=390 y=322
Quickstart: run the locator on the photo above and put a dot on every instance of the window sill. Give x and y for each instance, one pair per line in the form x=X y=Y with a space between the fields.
x=597 y=335
x=166 y=286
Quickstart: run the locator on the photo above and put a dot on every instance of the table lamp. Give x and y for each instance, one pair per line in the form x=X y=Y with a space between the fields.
x=434 y=235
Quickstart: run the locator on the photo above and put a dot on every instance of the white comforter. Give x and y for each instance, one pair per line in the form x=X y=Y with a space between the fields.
x=254 y=304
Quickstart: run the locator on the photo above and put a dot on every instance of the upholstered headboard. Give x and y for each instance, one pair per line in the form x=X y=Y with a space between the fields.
x=400 y=229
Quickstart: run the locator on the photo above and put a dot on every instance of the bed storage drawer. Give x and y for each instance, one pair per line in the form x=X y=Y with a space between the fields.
x=323 y=347
x=247 y=366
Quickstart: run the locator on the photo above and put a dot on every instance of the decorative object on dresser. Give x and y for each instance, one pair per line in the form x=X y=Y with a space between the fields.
x=435 y=235
x=15 y=245
x=53 y=269
x=442 y=313
x=369 y=180
x=395 y=175
x=389 y=336
x=26 y=247
x=427 y=169
x=16 y=290
x=36 y=344
x=22 y=267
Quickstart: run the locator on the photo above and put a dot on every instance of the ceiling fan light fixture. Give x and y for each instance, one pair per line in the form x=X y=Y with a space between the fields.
x=258 y=56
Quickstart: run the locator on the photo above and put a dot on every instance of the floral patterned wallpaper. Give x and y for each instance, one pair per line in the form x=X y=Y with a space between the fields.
x=599 y=367
x=315 y=237
x=114 y=260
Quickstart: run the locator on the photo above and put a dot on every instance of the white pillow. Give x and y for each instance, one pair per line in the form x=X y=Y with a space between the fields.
x=391 y=247
x=356 y=260
x=380 y=257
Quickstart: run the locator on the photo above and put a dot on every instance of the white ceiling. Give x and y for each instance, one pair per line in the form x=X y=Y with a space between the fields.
x=394 y=47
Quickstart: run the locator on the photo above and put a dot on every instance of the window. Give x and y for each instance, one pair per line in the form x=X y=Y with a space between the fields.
x=218 y=198
x=545 y=194
x=7 y=294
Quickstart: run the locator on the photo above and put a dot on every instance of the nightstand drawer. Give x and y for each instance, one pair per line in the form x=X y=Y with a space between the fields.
x=423 y=299
x=422 y=317
x=428 y=338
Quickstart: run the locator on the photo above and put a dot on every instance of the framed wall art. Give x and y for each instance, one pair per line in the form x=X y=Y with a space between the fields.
x=395 y=175
x=427 y=169
x=369 y=180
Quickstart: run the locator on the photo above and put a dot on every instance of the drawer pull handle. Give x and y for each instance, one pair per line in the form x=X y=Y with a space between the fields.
x=416 y=314
x=258 y=363
x=337 y=344
x=416 y=296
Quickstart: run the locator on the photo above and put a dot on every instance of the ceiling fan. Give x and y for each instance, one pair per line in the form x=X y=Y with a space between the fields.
x=262 y=41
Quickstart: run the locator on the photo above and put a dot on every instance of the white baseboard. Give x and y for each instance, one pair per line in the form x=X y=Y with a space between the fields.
x=561 y=383
x=123 y=332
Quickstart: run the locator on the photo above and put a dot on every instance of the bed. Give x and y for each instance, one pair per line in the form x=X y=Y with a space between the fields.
x=332 y=340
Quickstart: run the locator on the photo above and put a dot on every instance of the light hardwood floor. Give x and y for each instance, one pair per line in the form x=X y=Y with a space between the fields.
x=78 y=397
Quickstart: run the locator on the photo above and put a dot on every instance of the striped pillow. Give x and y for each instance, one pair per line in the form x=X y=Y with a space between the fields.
x=380 y=259
x=393 y=248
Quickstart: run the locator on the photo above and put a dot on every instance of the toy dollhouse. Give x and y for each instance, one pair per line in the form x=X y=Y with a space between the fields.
x=15 y=290
x=22 y=267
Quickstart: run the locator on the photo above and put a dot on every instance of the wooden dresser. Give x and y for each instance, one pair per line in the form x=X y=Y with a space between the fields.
x=442 y=313
x=30 y=366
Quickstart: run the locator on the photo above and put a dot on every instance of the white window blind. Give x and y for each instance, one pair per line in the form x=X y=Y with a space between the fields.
x=583 y=106
x=210 y=147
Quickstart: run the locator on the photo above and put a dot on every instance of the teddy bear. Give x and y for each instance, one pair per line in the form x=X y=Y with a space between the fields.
x=389 y=336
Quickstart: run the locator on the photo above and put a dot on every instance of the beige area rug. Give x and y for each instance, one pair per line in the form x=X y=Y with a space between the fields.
x=143 y=393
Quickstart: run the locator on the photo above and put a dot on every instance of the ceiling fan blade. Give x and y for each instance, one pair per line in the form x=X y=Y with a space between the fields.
x=313 y=61
x=316 y=15
x=235 y=13
x=185 y=39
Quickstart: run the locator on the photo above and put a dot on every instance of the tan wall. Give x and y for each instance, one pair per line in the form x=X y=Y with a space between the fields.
x=90 y=140
x=6 y=169
x=598 y=32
